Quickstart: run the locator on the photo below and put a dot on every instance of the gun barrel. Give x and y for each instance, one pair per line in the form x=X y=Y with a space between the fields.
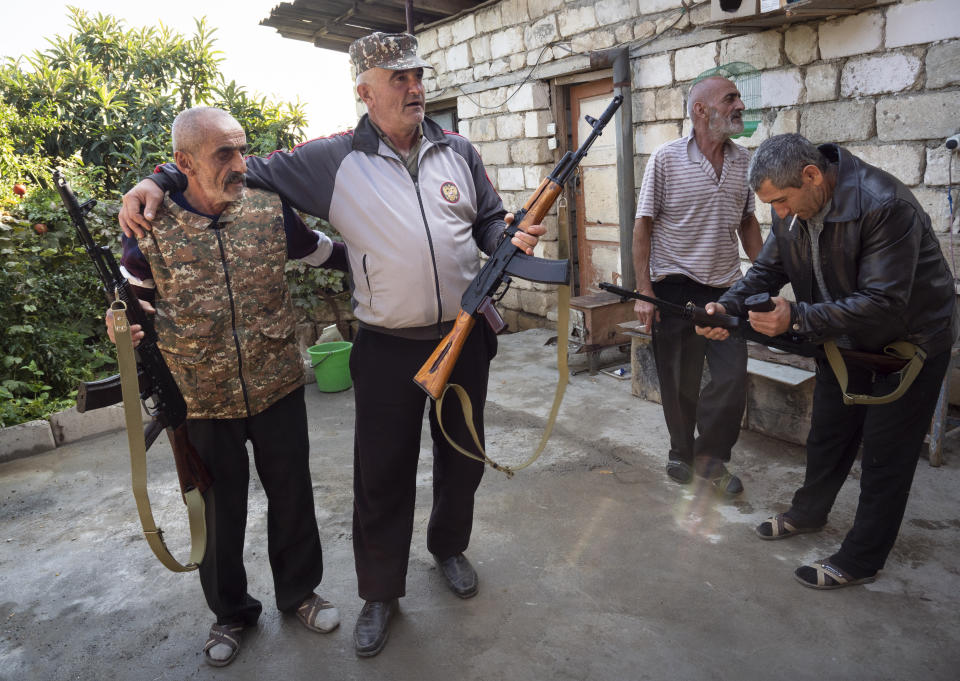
x=598 y=125
x=688 y=311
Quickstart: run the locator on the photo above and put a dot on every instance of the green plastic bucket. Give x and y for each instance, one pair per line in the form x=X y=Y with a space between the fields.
x=331 y=365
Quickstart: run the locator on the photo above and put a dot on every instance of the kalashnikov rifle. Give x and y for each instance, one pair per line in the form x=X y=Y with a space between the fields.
x=506 y=260
x=159 y=393
x=761 y=302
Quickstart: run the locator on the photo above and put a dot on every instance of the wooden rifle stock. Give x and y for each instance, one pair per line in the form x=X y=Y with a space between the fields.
x=435 y=372
x=190 y=469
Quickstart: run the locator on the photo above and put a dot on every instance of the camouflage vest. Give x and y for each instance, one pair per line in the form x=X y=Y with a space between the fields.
x=224 y=319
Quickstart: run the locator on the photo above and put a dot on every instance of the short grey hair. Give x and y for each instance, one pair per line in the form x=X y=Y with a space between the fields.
x=190 y=124
x=781 y=160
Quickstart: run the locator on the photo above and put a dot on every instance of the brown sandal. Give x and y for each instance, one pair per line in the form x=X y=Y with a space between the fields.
x=780 y=527
x=310 y=611
x=228 y=635
x=822 y=574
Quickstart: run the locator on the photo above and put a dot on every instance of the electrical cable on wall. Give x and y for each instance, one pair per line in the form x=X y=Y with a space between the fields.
x=566 y=45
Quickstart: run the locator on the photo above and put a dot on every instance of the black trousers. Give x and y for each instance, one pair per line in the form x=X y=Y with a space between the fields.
x=280 y=453
x=892 y=436
x=389 y=420
x=715 y=411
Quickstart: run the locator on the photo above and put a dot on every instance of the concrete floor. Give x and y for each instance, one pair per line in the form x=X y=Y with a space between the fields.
x=593 y=565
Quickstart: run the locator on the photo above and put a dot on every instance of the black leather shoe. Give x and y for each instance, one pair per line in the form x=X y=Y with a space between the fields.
x=370 y=634
x=679 y=471
x=460 y=575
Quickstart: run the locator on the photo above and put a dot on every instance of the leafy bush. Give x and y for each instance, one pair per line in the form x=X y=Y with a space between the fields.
x=98 y=103
x=51 y=313
x=75 y=98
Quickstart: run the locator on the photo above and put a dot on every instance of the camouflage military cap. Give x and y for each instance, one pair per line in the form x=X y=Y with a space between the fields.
x=394 y=51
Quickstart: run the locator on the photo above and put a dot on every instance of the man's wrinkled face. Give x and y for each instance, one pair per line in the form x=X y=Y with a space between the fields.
x=218 y=164
x=724 y=109
x=395 y=99
x=804 y=201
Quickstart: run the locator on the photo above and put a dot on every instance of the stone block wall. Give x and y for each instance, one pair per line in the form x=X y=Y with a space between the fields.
x=884 y=82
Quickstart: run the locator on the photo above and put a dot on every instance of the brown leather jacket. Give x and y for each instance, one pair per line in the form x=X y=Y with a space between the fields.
x=881 y=262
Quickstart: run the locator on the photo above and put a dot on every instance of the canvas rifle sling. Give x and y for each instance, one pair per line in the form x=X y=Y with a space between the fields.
x=901 y=350
x=563 y=373
x=138 y=457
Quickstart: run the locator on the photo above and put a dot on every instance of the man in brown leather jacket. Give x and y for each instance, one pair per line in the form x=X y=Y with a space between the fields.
x=867 y=271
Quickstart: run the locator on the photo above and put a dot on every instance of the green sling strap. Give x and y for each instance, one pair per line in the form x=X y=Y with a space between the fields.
x=904 y=350
x=138 y=457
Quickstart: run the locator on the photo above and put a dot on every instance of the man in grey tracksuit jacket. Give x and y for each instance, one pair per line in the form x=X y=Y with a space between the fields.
x=412 y=219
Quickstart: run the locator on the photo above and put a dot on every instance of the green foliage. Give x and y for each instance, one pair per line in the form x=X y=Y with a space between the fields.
x=109 y=95
x=51 y=314
x=98 y=103
x=312 y=287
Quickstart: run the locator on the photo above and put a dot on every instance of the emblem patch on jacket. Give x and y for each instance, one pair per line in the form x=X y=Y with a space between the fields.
x=450 y=192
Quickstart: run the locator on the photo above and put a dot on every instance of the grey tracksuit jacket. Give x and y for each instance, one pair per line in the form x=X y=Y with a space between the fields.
x=412 y=245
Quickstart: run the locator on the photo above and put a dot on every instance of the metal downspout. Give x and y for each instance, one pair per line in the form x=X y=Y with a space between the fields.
x=619 y=58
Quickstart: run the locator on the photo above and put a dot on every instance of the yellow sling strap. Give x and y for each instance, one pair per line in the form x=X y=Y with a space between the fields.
x=563 y=315
x=563 y=373
x=138 y=457
x=904 y=350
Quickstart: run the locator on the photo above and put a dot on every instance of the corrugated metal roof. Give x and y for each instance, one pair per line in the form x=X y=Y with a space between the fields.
x=334 y=24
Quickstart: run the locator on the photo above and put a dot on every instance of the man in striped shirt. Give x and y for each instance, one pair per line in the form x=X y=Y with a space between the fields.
x=693 y=205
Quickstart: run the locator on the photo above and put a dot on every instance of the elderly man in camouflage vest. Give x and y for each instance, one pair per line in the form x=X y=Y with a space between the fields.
x=413 y=204
x=215 y=264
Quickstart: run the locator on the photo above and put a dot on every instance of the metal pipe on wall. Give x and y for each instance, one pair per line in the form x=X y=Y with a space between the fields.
x=619 y=59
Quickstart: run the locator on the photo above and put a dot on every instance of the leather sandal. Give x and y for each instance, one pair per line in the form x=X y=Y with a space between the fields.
x=822 y=574
x=721 y=480
x=318 y=615
x=226 y=634
x=779 y=527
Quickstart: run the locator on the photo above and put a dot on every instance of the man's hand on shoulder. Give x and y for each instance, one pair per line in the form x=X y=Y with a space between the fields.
x=146 y=195
x=528 y=237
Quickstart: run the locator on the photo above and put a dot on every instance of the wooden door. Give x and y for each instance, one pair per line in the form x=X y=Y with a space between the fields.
x=598 y=213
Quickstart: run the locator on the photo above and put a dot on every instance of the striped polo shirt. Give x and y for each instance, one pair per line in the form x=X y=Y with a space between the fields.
x=695 y=215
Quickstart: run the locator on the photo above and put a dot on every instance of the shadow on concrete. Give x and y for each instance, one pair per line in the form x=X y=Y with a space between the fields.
x=593 y=565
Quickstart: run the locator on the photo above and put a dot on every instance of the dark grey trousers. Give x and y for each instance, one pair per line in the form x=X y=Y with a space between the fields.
x=281 y=454
x=716 y=410
x=389 y=421
x=892 y=436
